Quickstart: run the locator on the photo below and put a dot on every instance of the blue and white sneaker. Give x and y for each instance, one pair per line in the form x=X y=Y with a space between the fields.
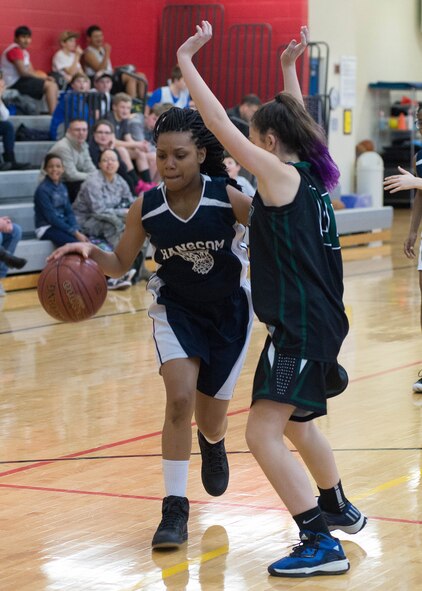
x=317 y=554
x=350 y=520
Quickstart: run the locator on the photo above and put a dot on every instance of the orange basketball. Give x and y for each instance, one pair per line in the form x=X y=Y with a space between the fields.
x=72 y=288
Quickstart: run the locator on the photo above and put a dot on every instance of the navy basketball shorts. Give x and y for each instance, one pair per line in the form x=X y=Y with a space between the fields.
x=302 y=383
x=218 y=333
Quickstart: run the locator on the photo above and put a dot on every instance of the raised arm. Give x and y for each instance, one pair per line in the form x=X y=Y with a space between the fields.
x=212 y=111
x=288 y=64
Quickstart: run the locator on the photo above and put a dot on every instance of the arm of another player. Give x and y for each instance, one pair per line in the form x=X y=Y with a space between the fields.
x=212 y=111
x=402 y=182
x=288 y=64
x=415 y=220
x=113 y=264
x=241 y=204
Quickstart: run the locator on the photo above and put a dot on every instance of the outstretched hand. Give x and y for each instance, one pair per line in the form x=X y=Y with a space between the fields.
x=295 y=49
x=400 y=182
x=193 y=44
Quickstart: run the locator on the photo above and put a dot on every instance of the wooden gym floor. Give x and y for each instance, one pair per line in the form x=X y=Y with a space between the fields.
x=80 y=477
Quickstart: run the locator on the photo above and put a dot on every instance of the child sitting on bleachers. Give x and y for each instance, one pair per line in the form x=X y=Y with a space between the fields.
x=54 y=217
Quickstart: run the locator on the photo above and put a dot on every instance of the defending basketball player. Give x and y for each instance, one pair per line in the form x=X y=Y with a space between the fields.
x=297 y=287
x=202 y=311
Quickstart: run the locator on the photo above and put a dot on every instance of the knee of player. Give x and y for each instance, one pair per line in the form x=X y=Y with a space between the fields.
x=179 y=408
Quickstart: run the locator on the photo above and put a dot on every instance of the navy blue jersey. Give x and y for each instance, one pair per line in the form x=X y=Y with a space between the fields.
x=202 y=258
x=296 y=272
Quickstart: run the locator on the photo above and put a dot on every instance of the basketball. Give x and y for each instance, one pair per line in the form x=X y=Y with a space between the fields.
x=72 y=288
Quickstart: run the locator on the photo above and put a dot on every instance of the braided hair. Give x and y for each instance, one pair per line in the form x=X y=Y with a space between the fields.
x=299 y=133
x=188 y=120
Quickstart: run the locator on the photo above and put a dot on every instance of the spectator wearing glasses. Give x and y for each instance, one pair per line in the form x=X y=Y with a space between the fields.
x=103 y=138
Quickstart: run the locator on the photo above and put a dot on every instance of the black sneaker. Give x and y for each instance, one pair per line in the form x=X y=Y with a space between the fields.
x=215 y=467
x=173 y=528
x=10 y=260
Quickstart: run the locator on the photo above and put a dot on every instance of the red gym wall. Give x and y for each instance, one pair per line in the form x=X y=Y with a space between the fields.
x=132 y=27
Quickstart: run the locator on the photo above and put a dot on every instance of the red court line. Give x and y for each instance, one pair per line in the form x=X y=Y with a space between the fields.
x=193 y=502
x=81 y=453
x=154 y=434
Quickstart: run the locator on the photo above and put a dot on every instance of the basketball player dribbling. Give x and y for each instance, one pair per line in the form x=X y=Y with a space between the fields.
x=297 y=287
x=202 y=311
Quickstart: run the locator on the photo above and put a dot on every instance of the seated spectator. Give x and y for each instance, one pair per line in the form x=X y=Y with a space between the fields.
x=72 y=105
x=54 y=217
x=19 y=73
x=66 y=61
x=103 y=82
x=74 y=153
x=175 y=93
x=241 y=115
x=97 y=57
x=103 y=138
x=102 y=205
x=7 y=135
x=120 y=116
x=141 y=127
x=10 y=234
x=233 y=170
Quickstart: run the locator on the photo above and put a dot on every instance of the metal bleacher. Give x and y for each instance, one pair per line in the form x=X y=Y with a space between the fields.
x=16 y=200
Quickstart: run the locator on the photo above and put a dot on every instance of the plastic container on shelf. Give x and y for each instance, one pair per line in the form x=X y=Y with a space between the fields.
x=370 y=177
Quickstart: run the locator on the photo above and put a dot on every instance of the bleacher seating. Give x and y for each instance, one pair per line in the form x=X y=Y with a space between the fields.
x=16 y=200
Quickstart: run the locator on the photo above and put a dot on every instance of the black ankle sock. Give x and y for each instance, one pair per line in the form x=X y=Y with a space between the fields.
x=145 y=175
x=312 y=520
x=332 y=499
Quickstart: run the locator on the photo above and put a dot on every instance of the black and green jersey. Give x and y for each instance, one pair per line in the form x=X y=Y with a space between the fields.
x=297 y=273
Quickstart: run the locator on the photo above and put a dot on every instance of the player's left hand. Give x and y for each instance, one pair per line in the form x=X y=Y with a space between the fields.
x=193 y=44
x=295 y=49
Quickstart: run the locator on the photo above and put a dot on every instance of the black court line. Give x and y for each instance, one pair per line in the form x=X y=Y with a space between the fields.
x=195 y=453
x=135 y=311
x=379 y=271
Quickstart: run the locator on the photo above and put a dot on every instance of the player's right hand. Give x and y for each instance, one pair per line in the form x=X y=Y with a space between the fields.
x=193 y=44
x=82 y=248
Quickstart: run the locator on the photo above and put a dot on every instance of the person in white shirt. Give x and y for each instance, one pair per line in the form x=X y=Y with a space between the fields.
x=19 y=73
x=66 y=61
x=97 y=57
x=233 y=169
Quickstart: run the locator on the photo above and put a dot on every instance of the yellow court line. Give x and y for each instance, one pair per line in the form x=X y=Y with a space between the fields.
x=179 y=568
x=385 y=486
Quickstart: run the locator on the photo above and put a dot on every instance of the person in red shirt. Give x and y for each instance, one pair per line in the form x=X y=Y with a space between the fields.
x=19 y=73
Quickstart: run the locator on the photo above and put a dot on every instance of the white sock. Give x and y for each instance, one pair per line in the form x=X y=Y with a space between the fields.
x=175 y=477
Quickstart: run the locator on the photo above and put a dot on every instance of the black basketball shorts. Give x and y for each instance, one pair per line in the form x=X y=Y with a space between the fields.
x=302 y=383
